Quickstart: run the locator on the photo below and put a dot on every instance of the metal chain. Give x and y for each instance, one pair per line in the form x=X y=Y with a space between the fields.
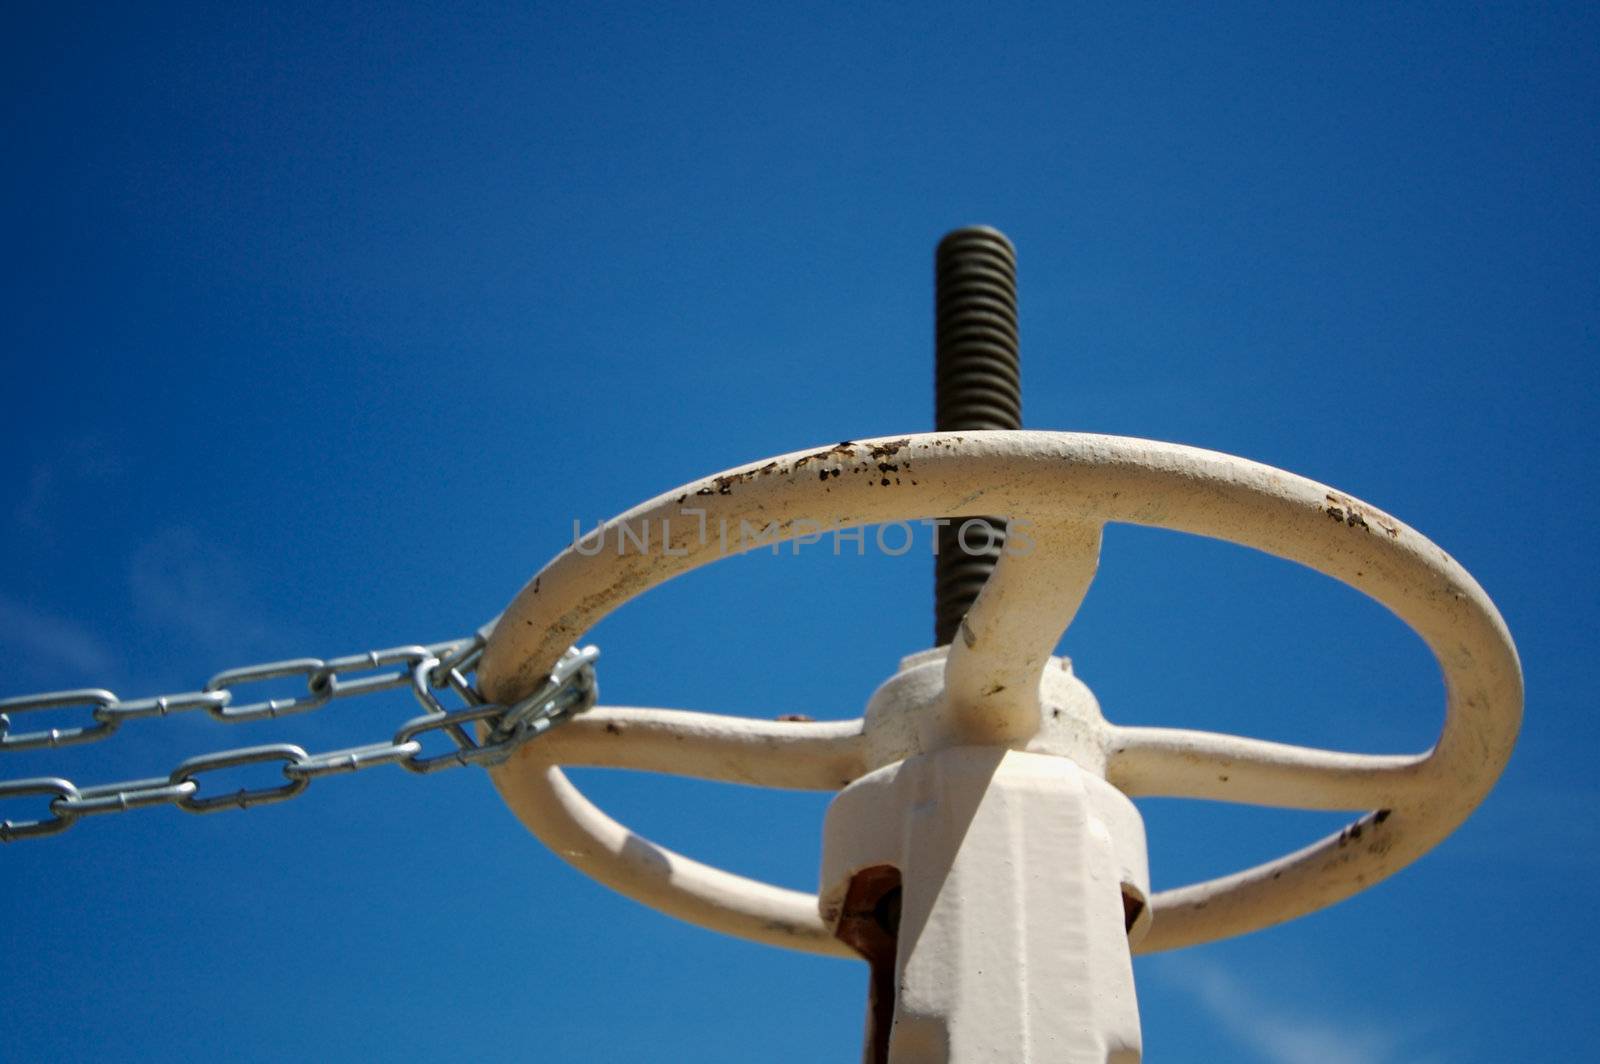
x=429 y=670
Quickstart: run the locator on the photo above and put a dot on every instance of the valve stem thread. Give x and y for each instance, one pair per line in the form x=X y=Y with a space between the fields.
x=977 y=385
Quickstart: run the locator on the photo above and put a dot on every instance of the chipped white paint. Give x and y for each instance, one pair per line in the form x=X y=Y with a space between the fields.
x=987 y=691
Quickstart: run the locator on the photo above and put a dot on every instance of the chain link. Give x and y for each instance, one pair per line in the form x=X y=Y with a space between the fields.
x=433 y=672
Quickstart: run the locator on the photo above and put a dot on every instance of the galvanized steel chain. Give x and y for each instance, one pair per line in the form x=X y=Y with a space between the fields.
x=430 y=671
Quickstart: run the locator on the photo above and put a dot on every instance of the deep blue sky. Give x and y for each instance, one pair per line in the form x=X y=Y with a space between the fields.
x=321 y=326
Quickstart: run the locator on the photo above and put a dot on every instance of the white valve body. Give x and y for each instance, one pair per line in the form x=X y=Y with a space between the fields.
x=1012 y=941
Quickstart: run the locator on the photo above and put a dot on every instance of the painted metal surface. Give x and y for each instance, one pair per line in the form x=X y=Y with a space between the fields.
x=1016 y=880
x=1008 y=934
x=1068 y=485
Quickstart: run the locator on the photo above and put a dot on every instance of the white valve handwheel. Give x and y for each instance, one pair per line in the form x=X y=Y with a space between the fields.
x=1069 y=485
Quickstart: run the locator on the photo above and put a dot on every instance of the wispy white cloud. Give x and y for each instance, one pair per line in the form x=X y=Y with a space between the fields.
x=72 y=464
x=1277 y=1034
x=51 y=641
x=186 y=584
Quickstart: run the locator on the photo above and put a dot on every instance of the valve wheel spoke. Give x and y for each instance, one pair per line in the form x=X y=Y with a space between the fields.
x=1177 y=763
x=1006 y=639
x=791 y=755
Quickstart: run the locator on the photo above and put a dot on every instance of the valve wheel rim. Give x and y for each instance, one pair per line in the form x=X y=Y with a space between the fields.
x=1070 y=485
